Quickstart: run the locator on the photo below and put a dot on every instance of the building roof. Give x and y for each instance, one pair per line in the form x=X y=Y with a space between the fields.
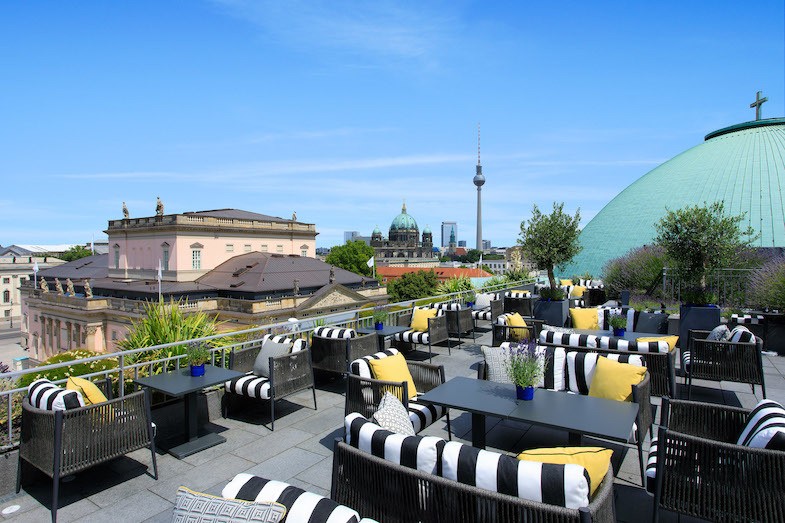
x=90 y=267
x=403 y=222
x=740 y=165
x=237 y=214
x=30 y=250
x=443 y=273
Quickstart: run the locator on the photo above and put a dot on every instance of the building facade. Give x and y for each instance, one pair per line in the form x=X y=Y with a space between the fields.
x=404 y=246
x=447 y=229
x=14 y=272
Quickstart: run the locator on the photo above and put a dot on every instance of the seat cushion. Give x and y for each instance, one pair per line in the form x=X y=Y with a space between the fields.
x=249 y=385
x=193 y=507
x=420 y=318
x=416 y=452
x=670 y=340
x=595 y=460
x=335 y=332
x=582 y=365
x=651 y=466
x=482 y=315
x=360 y=367
x=45 y=395
x=393 y=368
x=422 y=415
x=611 y=343
x=392 y=415
x=613 y=380
x=300 y=505
x=685 y=361
x=604 y=315
x=584 y=319
x=566 y=339
x=564 y=485
x=413 y=336
x=765 y=427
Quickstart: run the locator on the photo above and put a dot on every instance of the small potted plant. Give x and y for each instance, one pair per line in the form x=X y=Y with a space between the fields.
x=525 y=367
x=618 y=323
x=471 y=297
x=197 y=354
x=379 y=315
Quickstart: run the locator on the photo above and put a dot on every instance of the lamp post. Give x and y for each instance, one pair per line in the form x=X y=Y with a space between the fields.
x=12 y=313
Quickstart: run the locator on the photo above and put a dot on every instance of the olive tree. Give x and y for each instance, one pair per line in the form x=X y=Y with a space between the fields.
x=550 y=240
x=352 y=256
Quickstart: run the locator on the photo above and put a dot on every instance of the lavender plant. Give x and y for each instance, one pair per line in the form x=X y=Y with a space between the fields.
x=525 y=362
x=767 y=285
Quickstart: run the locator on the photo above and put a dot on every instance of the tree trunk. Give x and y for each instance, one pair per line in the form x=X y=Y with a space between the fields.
x=551 y=277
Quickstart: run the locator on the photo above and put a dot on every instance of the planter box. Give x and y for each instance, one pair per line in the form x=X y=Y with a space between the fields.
x=553 y=313
x=700 y=318
x=774 y=337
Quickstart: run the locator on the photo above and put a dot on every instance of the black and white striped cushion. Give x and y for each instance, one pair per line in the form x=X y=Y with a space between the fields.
x=581 y=367
x=589 y=341
x=747 y=318
x=423 y=415
x=300 y=505
x=651 y=466
x=517 y=294
x=741 y=334
x=604 y=316
x=555 y=359
x=482 y=315
x=297 y=345
x=560 y=485
x=607 y=342
x=685 y=361
x=45 y=395
x=448 y=306
x=252 y=386
x=360 y=367
x=416 y=452
x=765 y=428
x=334 y=333
x=413 y=337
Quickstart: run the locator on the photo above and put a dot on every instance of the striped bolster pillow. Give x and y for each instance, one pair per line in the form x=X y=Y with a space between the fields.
x=415 y=452
x=360 y=367
x=607 y=342
x=589 y=341
x=300 y=504
x=560 y=485
x=741 y=334
x=45 y=395
x=335 y=333
x=581 y=367
x=765 y=428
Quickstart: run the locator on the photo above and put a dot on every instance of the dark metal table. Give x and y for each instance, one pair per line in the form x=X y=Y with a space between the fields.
x=387 y=331
x=180 y=383
x=578 y=415
x=628 y=335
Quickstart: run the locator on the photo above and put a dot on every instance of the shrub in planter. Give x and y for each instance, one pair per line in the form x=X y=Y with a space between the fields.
x=638 y=271
x=767 y=286
x=77 y=369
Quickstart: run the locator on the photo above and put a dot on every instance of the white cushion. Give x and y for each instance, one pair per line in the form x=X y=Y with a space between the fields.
x=765 y=428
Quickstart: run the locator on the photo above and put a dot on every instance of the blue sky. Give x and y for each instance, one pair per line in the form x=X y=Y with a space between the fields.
x=341 y=110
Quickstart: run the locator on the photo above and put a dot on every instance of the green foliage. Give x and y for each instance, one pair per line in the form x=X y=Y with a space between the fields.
x=412 y=286
x=550 y=240
x=517 y=276
x=618 y=321
x=77 y=369
x=493 y=284
x=698 y=240
x=486 y=268
x=472 y=256
x=637 y=271
x=525 y=363
x=353 y=256
x=578 y=277
x=197 y=353
x=76 y=252
x=453 y=285
x=767 y=286
x=166 y=323
x=548 y=293
x=379 y=314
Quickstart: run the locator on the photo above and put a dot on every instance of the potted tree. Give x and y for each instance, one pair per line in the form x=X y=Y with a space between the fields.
x=698 y=241
x=550 y=241
x=197 y=354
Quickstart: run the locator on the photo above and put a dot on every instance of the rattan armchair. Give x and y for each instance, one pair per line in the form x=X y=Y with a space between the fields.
x=59 y=443
x=723 y=361
x=335 y=355
x=364 y=394
x=502 y=333
x=437 y=333
x=701 y=472
x=289 y=374
x=523 y=305
x=460 y=322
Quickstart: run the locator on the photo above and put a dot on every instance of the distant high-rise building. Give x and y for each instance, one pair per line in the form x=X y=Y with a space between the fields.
x=461 y=243
x=447 y=229
x=350 y=236
x=479 y=181
x=486 y=244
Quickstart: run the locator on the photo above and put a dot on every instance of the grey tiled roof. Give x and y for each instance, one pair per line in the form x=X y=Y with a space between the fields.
x=93 y=267
x=237 y=214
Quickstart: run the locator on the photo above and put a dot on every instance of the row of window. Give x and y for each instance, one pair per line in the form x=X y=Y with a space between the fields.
x=196 y=254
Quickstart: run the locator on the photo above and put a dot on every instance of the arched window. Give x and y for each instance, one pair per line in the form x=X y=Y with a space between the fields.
x=6 y=296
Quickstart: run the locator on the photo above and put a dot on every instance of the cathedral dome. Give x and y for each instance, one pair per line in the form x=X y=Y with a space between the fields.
x=403 y=222
x=740 y=165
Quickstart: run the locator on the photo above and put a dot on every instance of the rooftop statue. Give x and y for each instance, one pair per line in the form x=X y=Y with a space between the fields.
x=44 y=286
x=125 y=212
x=332 y=274
x=69 y=287
x=294 y=216
x=159 y=207
x=88 y=292
x=58 y=286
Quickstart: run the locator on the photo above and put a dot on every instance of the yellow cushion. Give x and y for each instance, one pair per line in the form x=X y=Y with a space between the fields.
x=420 y=319
x=393 y=368
x=613 y=380
x=577 y=291
x=595 y=460
x=584 y=319
x=566 y=282
x=516 y=320
x=90 y=392
x=670 y=339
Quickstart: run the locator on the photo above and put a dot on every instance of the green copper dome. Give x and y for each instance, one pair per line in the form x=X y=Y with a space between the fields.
x=742 y=165
x=427 y=229
x=403 y=222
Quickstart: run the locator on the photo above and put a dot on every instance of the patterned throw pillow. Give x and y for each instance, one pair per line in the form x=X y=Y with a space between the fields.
x=393 y=416
x=45 y=395
x=719 y=333
x=195 y=507
x=270 y=349
x=496 y=364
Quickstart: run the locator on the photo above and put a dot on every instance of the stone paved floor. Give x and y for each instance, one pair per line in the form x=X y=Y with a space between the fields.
x=299 y=452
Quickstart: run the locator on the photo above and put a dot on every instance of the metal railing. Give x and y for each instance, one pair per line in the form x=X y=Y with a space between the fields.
x=130 y=367
x=729 y=285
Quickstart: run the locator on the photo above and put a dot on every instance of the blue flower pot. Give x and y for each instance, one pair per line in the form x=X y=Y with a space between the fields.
x=378 y=326
x=197 y=370
x=524 y=393
x=619 y=332
x=470 y=304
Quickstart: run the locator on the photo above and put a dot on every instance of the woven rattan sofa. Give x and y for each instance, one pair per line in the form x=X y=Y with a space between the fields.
x=63 y=442
x=723 y=361
x=385 y=491
x=700 y=471
x=335 y=354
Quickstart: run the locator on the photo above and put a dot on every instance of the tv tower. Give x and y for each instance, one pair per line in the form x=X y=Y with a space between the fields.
x=479 y=181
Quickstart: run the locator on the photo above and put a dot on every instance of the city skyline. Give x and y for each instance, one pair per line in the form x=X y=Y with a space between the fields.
x=339 y=113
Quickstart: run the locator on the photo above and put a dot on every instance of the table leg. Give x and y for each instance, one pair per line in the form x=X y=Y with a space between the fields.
x=574 y=439
x=191 y=416
x=478 y=430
